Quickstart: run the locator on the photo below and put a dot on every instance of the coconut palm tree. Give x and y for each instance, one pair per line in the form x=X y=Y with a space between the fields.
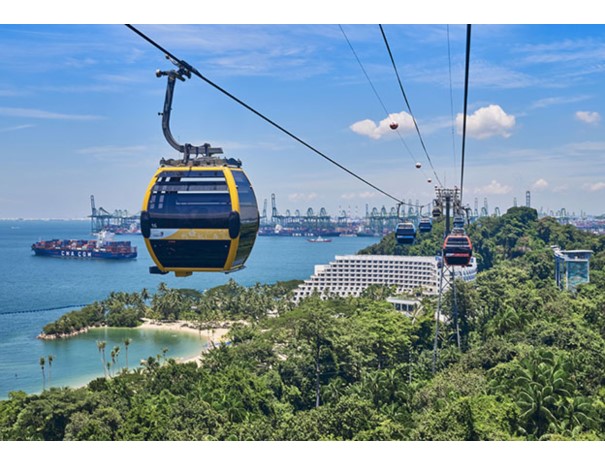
x=114 y=356
x=101 y=346
x=42 y=363
x=50 y=364
x=127 y=342
x=163 y=355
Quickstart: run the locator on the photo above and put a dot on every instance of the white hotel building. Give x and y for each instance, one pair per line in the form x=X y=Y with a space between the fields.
x=350 y=275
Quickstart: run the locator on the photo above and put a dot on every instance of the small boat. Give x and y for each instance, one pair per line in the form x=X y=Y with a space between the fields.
x=319 y=239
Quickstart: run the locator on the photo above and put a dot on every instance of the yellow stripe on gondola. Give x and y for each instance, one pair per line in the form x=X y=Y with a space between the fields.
x=197 y=235
x=235 y=207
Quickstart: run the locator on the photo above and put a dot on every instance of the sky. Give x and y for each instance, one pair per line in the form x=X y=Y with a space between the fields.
x=79 y=106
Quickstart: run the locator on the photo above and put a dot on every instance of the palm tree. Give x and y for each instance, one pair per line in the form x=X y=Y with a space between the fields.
x=116 y=351
x=114 y=356
x=127 y=342
x=42 y=363
x=162 y=287
x=163 y=355
x=50 y=364
x=101 y=346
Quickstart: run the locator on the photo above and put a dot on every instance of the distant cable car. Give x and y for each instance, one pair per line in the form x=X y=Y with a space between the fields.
x=199 y=213
x=418 y=165
x=393 y=125
x=405 y=233
x=457 y=249
x=425 y=225
x=429 y=180
x=459 y=222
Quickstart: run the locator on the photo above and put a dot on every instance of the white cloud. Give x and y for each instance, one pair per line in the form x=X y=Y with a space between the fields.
x=112 y=149
x=17 y=128
x=540 y=184
x=597 y=186
x=561 y=188
x=301 y=196
x=493 y=187
x=359 y=195
x=487 y=122
x=589 y=117
x=550 y=101
x=42 y=114
x=372 y=130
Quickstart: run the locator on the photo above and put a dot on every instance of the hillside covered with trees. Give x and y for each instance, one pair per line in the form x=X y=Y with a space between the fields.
x=531 y=362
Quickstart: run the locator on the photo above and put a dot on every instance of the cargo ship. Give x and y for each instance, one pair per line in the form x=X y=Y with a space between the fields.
x=103 y=248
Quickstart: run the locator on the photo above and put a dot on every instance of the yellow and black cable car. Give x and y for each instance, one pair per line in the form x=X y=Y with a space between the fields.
x=199 y=213
x=199 y=218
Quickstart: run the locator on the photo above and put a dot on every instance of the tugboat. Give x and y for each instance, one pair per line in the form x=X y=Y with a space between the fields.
x=103 y=248
x=319 y=239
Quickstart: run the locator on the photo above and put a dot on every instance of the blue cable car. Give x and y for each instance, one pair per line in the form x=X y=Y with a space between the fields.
x=459 y=222
x=425 y=225
x=405 y=233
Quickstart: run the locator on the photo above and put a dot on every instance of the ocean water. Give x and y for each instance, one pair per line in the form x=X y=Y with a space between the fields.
x=37 y=290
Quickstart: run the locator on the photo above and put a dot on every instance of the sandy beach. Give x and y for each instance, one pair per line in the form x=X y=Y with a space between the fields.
x=214 y=336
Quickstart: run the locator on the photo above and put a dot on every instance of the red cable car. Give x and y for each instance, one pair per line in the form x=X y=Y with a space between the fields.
x=457 y=250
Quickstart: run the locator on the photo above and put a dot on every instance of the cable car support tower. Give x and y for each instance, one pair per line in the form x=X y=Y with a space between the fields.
x=446 y=201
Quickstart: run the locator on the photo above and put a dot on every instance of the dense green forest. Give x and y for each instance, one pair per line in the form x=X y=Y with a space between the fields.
x=529 y=365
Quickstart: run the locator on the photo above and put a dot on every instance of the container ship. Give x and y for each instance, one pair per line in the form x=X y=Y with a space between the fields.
x=104 y=248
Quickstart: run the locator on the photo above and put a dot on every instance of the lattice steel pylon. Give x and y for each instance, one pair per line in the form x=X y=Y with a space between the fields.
x=448 y=202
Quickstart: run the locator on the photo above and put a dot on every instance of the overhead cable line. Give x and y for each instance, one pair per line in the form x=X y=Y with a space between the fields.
x=386 y=42
x=466 y=73
x=364 y=70
x=194 y=71
x=376 y=93
x=449 y=59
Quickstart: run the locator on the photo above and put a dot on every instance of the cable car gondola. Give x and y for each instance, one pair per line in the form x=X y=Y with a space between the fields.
x=199 y=218
x=457 y=249
x=405 y=233
x=199 y=213
x=459 y=222
x=425 y=225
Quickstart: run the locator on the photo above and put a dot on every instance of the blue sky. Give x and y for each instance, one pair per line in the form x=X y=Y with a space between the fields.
x=79 y=112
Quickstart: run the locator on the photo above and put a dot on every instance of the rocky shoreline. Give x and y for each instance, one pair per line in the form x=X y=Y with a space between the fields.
x=51 y=337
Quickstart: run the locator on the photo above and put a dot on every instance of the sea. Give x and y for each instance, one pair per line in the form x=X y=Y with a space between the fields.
x=35 y=291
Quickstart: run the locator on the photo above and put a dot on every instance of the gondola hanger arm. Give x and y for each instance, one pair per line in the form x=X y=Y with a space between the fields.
x=186 y=149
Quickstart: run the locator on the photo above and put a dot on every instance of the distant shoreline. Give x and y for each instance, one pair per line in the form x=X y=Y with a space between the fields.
x=44 y=219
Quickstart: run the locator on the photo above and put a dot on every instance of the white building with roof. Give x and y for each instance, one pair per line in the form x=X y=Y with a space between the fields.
x=350 y=275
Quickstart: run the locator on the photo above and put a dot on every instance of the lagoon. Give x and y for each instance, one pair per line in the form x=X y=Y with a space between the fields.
x=36 y=284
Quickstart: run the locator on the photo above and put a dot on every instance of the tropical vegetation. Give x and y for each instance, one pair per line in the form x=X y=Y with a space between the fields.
x=515 y=359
